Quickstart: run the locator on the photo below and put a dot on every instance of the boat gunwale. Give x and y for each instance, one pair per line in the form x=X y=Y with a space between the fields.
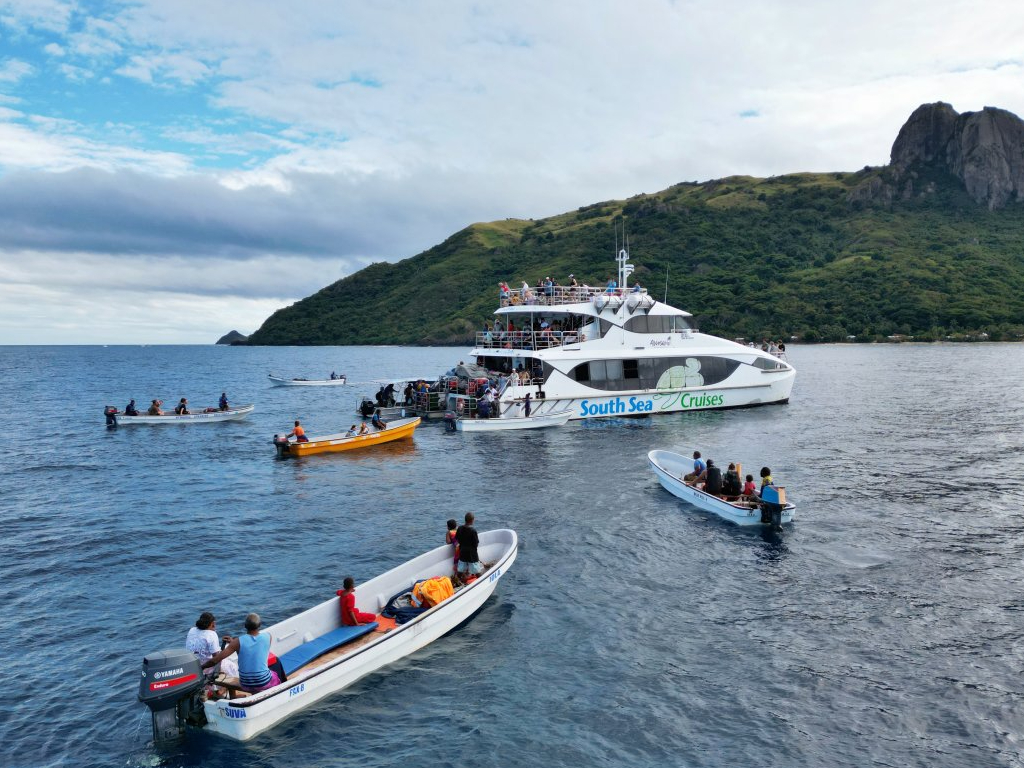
x=262 y=696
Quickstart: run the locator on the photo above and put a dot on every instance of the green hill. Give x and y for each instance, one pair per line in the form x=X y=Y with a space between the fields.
x=820 y=256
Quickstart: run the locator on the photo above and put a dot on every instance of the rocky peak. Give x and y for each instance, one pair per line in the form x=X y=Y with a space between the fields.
x=984 y=150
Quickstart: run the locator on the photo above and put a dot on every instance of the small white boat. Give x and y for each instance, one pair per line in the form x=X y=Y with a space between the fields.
x=310 y=640
x=281 y=381
x=501 y=423
x=670 y=467
x=198 y=416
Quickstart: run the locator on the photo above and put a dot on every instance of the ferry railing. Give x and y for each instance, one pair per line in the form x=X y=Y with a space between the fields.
x=528 y=340
x=560 y=294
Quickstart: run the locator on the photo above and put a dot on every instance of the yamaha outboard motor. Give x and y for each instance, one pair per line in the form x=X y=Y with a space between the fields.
x=172 y=687
x=111 y=413
x=449 y=421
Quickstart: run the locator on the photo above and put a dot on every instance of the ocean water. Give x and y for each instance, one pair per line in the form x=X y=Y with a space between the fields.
x=882 y=628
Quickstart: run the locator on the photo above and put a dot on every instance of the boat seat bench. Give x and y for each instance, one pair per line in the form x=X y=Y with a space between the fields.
x=303 y=654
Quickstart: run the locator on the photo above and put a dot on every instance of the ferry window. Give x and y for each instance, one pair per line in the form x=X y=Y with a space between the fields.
x=597 y=370
x=768 y=365
x=613 y=370
x=679 y=324
x=583 y=372
x=630 y=370
x=636 y=324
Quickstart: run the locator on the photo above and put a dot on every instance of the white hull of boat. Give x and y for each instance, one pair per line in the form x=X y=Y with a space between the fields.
x=669 y=468
x=280 y=381
x=538 y=421
x=243 y=719
x=197 y=417
x=648 y=402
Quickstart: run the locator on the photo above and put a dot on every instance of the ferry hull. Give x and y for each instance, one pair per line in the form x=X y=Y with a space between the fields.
x=649 y=403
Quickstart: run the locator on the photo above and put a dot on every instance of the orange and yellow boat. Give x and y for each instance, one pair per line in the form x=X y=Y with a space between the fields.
x=395 y=430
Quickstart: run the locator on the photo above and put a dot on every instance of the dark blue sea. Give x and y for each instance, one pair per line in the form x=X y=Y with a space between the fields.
x=881 y=629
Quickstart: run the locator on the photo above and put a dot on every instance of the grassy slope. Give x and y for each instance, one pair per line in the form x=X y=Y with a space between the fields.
x=749 y=257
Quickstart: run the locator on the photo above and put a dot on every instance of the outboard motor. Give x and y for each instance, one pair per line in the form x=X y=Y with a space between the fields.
x=367 y=408
x=172 y=686
x=773 y=500
x=449 y=421
x=281 y=443
x=111 y=413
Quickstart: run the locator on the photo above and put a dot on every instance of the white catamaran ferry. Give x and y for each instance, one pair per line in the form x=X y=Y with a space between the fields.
x=616 y=351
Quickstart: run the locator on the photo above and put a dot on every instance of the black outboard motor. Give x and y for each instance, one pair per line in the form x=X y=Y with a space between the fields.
x=281 y=443
x=773 y=500
x=367 y=408
x=111 y=413
x=172 y=686
x=449 y=421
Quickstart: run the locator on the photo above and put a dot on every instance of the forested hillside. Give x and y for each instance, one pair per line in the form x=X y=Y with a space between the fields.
x=892 y=250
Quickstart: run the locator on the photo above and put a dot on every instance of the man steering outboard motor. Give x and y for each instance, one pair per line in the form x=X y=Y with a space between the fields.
x=172 y=687
x=111 y=413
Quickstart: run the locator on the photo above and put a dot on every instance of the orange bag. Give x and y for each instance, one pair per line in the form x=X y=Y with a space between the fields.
x=433 y=591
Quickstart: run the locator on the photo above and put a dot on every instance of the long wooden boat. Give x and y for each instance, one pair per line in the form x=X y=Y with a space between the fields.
x=395 y=430
x=670 y=467
x=281 y=381
x=307 y=644
x=501 y=423
x=198 y=416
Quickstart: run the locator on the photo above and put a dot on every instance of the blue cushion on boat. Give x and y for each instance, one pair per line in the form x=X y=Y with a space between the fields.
x=318 y=646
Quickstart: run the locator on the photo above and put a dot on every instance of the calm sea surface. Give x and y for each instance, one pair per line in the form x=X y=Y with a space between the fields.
x=881 y=629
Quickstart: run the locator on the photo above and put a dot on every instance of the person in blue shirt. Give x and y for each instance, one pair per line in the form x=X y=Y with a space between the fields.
x=612 y=286
x=699 y=468
x=377 y=421
x=223 y=403
x=253 y=648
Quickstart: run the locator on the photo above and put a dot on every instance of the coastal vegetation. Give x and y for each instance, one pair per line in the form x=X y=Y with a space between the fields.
x=806 y=255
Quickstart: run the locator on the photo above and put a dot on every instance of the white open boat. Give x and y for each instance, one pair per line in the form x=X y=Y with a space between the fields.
x=501 y=423
x=670 y=467
x=199 y=416
x=281 y=381
x=298 y=637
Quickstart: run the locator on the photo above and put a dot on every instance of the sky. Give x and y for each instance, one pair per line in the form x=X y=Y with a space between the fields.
x=170 y=171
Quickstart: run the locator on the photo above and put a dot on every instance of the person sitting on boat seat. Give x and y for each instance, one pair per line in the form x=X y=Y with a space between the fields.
x=298 y=433
x=352 y=431
x=253 y=649
x=766 y=479
x=350 y=616
x=130 y=409
x=378 y=422
x=223 y=402
x=731 y=485
x=712 y=479
x=182 y=407
x=749 y=489
x=698 y=469
x=202 y=640
x=363 y=429
x=154 y=408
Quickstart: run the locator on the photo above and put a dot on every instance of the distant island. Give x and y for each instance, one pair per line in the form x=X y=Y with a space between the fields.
x=234 y=338
x=928 y=247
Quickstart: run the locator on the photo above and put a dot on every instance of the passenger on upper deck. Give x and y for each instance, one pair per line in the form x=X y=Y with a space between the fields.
x=504 y=292
x=612 y=286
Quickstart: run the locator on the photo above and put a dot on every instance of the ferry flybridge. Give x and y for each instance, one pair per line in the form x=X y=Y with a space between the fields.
x=616 y=351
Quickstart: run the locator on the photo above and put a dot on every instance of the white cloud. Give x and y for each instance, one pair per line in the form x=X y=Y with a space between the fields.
x=343 y=132
x=12 y=70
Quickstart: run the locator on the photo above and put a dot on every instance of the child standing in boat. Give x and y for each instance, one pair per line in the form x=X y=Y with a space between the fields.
x=450 y=538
